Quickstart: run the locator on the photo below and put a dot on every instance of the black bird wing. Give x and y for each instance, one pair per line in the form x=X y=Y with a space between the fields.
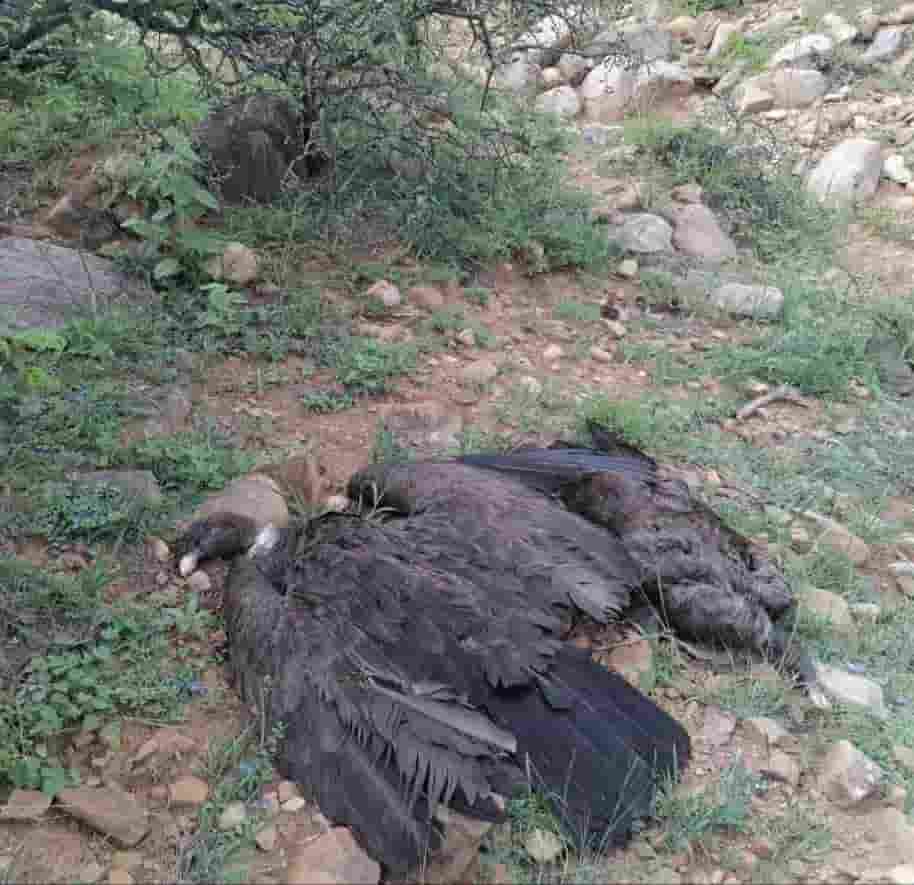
x=419 y=662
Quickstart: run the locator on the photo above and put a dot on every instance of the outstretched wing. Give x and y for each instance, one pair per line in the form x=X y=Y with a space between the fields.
x=416 y=663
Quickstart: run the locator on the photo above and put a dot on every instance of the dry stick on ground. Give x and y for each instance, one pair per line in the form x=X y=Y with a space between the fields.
x=784 y=393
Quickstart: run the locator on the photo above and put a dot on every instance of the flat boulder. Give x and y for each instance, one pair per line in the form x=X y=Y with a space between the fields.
x=47 y=286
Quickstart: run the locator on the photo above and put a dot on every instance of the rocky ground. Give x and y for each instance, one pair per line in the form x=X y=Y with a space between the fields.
x=720 y=338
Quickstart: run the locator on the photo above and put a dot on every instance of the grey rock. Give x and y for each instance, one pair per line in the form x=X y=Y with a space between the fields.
x=110 y=811
x=803 y=51
x=140 y=485
x=848 y=776
x=562 y=101
x=595 y=134
x=850 y=689
x=607 y=92
x=848 y=173
x=725 y=32
x=841 y=30
x=660 y=80
x=643 y=232
x=697 y=233
x=42 y=285
x=887 y=43
x=745 y=300
x=796 y=87
x=520 y=76
x=250 y=144
x=752 y=98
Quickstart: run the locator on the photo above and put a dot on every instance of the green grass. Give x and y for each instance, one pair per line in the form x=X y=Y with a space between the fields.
x=120 y=667
x=689 y=818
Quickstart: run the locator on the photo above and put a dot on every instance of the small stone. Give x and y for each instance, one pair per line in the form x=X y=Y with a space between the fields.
x=840 y=29
x=781 y=767
x=334 y=858
x=293 y=805
x=865 y=612
x=627 y=269
x=91 y=873
x=562 y=101
x=851 y=689
x=598 y=355
x=767 y=730
x=543 y=846
x=718 y=727
x=386 y=292
x=615 y=328
x=894 y=169
x=24 y=805
x=188 y=791
x=120 y=877
x=467 y=337
x=644 y=233
x=287 y=790
x=847 y=775
x=427 y=297
x=823 y=603
x=904 y=756
x=159 y=550
x=530 y=385
x=838 y=538
x=887 y=43
x=479 y=372
x=237 y=264
x=740 y=299
x=752 y=99
x=233 y=816
x=266 y=837
x=553 y=353
x=199 y=582
x=848 y=173
x=337 y=503
x=270 y=804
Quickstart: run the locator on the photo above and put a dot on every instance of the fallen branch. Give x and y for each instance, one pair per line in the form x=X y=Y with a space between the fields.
x=784 y=393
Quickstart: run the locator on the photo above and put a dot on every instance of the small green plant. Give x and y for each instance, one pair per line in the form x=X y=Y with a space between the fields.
x=368 y=366
x=190 y=462
x=226 y=311
x=26 y=357
x=166 y=181
x=478 y=295
x=188 y=620
x=323 y=402
x=577 y=311
x=692 y=817
x=88 y=513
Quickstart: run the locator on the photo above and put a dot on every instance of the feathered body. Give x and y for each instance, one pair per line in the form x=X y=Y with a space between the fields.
x=419 y=659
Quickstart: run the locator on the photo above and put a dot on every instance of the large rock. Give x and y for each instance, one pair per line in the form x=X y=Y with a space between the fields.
x=824 y=604
x=803 y=51
x=607 y=92
x=697 y=233
x=140 y=485
x=112 y=812
x=334 y=858
x=251 y=142
x=745 y=300
x=661 y=80
x=42 y=285
x=644 y=233
x=793 y=87
x=887 y=43
x=848 y=173
x=562 y=101
x=848 y=776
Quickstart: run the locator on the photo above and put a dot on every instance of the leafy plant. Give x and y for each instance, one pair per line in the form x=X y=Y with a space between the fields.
x=368 y=365
x=326 y=401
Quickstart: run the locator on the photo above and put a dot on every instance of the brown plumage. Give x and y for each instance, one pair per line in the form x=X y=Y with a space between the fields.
x=419 y=659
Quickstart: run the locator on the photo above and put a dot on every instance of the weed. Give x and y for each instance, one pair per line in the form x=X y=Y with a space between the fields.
x=119 y=670
x=577 y=311
x=747 y=695
x=190 y=462
x=323 y=402
x=692 y=817
x=478 y=295
x=368 y=366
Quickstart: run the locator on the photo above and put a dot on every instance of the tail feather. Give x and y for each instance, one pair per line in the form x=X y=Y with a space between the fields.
x=600 y=761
